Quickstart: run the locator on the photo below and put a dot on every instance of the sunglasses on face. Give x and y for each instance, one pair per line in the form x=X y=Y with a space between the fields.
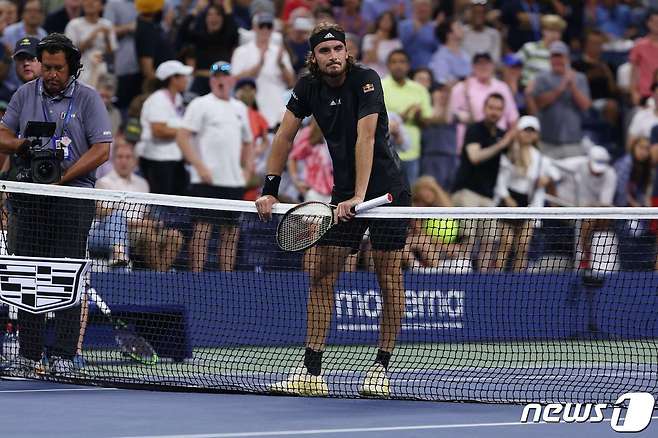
x=265 y=26
x=529 y=130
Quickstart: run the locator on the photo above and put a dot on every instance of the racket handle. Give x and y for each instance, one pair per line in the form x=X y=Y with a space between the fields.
x=376 y=202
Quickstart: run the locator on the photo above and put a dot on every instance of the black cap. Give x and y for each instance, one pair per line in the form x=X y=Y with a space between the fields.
x=27 y=45
x=244 y=82
x=482 y=56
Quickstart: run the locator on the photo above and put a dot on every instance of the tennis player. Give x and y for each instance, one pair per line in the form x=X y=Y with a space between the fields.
x=348 y=103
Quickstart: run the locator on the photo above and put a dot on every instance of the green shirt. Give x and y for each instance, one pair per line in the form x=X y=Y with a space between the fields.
x=400 y=97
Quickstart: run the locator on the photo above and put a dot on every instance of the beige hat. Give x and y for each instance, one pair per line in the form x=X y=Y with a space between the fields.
x=553 y=22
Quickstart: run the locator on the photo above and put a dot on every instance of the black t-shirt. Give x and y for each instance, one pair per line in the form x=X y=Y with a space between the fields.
x=151 y=42
x=480 y=178
x=337 y=111
x=597 y=77
x=56 y=21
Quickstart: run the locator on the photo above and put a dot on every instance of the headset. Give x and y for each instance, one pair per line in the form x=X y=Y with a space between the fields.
x=56 y=42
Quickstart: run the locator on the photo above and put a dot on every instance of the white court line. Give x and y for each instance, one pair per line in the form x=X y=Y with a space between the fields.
x=17 y=391
x=337 y=431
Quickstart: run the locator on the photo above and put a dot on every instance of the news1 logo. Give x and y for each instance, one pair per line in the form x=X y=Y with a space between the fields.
x=631 y=412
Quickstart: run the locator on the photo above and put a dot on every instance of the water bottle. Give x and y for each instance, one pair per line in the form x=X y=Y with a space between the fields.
x=10 y=342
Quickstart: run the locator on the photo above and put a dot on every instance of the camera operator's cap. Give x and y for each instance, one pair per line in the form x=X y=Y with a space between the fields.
x=528 y=122
x=220 y=67
x=599 y=159
x=170 y=68
x=27 y=45
x=559 y=48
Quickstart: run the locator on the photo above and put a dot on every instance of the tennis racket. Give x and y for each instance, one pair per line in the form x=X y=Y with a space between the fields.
x=304 y=225
x=130 y=343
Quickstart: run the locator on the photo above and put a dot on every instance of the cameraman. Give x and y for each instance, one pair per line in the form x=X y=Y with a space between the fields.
x=48 y=226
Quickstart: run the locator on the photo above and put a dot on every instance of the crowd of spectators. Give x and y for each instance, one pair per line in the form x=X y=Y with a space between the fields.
x=460 y=78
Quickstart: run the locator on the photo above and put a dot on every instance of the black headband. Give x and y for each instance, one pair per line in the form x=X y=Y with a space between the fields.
x=326 y=35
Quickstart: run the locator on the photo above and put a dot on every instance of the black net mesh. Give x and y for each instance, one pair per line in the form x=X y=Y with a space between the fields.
x=183 y=297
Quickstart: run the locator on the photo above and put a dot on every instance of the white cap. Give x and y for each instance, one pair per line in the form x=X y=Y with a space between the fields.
x=528 y=122
x=599 y=159
x=170 y=68
x=303 y=23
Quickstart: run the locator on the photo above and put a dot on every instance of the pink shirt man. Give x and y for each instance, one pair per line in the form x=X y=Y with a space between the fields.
x=644 y=57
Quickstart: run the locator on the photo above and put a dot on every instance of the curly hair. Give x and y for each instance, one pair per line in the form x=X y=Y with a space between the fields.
x=310 y=63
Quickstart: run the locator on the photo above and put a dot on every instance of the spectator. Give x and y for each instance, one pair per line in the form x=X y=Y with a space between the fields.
x=95 y=38
x=512 y=69
x=352 y=44
x=117 y=232
x=296 y=41
x=380 y=43
x=315 y=179
x=432 y=243
x=218 y=170
x=372 y=9
x=439 y=138
x=610 y=18
x=561 y=96
x=350 y=18
x=30 y=25
x=484 y=143
x=522 y=179
x=450 y=63
x=123 y=16
x=478 y=37
x=107 y=88
x=56 y=21
x=523 y=20
x=161 y=117
x=536 y=54
x=151 y=44
x=215 y=37
x=269 y=64
x=412 y=102
x=592 y=183
x=644 y=119
x=417 y=34
x=644 y=60
x=245 y=91
x=25 y=58
x=468 y=96
x=600 y=78
x=634 y=174
x=8 y=14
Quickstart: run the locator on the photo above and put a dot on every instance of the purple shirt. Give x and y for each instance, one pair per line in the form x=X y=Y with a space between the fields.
x=79 y=113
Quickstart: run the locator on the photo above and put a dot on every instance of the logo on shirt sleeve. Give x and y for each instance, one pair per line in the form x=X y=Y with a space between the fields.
x=367 y=88
x=294 y=95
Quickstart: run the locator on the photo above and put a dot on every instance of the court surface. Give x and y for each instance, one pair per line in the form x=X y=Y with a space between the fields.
x=42 y=409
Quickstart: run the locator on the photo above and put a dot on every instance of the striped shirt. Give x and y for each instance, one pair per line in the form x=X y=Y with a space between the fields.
x=536 y=59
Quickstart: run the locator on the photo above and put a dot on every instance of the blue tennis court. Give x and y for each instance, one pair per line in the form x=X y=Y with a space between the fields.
x=35 y=408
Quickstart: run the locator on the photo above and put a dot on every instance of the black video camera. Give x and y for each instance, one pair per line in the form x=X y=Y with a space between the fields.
x=41 y=163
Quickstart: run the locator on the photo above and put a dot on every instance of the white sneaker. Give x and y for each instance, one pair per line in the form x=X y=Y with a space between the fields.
x=376 y=383
x=300 y=382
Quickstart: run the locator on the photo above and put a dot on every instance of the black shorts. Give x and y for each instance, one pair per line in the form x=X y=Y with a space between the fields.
x=216 y=217
x=385 y=234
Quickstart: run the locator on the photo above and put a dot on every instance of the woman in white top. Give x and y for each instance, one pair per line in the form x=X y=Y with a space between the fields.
x=162 y=115
x=379 y=44
x=522 y=179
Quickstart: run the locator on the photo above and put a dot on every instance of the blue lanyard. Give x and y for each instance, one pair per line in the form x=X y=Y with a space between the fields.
x=534 y=18
x=67 y=117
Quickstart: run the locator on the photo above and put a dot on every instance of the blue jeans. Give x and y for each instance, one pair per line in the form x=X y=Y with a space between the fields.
x=109 y=232
x=412 y=169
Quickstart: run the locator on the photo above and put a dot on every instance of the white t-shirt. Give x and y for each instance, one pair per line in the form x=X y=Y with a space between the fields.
x=511 y=178
x=221 y=127
x=159 y=108
x=271 y=88
x=642 y=122
x=79 y=29
x=580 y=187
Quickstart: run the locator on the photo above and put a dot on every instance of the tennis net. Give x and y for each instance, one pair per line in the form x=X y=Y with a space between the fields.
x=499 y=305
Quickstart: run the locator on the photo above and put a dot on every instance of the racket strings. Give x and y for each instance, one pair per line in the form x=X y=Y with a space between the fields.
x=304 y=226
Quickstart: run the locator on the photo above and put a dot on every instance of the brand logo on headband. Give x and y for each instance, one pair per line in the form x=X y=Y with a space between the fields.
x=329 y=35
